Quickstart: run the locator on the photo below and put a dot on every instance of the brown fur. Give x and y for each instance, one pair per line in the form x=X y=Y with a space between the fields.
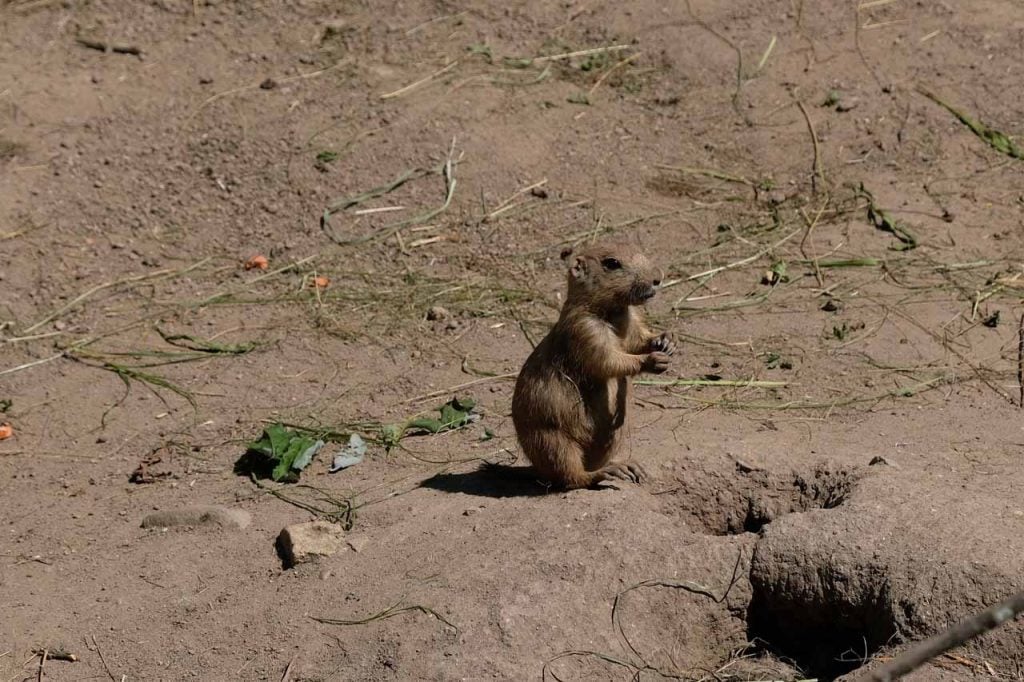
x=572 y=394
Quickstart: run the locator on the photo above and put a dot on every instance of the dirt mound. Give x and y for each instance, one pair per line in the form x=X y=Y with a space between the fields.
x=897 y=564
x=747 y=499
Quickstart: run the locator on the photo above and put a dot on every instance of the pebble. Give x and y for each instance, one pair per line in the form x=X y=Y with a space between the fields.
x=438 y=313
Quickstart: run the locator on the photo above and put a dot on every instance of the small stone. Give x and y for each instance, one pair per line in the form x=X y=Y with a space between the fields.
x=438 y=313
x=879 y=459
x=333 y=27
x=846 y=105
x=302 y=542
x=268 y=84
x=211 y=516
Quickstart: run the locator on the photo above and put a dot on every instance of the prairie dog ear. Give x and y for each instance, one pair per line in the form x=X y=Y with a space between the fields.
x=578 y=269
x=566 y=252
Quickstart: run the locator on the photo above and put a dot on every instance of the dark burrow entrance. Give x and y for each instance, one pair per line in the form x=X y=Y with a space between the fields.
x=823 y=635
x=746 y=499
x=821 y=620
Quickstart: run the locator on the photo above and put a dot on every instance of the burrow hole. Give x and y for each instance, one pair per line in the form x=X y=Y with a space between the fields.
x=746 y=499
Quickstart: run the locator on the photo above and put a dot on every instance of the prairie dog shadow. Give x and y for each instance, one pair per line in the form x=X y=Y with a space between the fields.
x=489 y=480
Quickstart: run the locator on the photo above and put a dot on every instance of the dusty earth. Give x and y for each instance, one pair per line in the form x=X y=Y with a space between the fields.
x=844 y=269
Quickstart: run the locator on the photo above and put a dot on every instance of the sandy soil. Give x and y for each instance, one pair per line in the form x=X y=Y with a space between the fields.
x=844 y=268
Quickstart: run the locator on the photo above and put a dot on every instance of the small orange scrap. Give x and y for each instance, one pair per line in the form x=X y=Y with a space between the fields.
x=257 y=263
x=321 y=282
x=6 y=431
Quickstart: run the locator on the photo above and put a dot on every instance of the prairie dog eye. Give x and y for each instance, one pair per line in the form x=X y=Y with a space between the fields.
x=610 y=264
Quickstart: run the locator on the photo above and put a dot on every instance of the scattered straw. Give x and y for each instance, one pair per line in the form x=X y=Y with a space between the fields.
x=767 y=53
x=817 y=175
x=615 y=67
x=255 y=86
x=993 y=137
x=423 y=81
x=134 y=279
x=741 y=383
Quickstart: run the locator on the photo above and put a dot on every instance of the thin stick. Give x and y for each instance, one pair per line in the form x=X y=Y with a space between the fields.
x=507 y=204
x=103 y=660
x=107 y=285
x=34 y=363
x=609 y=72
x=287 y=676
x=952 y=637
x=579 y=53
x=817 y=173
x=452 y=389
x=29 y=6
x=741 y=383
x=42 y=663
x=423 y=81
x=709 y=172
x=382 y=209
x=32 y=337
x=420 y=27
x=807 y=235
x=1020 y=362
x=744 y=261
x=253 y=86
x=767 y=53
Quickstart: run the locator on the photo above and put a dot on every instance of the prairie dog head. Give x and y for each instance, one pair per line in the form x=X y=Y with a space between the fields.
x=610 y=276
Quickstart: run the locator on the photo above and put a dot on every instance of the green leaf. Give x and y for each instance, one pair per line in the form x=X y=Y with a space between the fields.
x=288 y=450
x=454 y=414
x=390 y=435
x=327 y=156
x=200 y=345
x=517 y=62
x=483 y=50
x=995 y=139
x=883 y=222
x=425 y=423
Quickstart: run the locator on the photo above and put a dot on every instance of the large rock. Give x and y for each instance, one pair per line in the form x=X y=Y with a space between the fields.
x=302 y=542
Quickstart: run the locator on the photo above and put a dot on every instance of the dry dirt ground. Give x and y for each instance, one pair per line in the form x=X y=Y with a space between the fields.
x=844 y=270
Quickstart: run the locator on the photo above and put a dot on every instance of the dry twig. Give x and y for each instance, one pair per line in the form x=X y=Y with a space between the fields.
x=952 y=637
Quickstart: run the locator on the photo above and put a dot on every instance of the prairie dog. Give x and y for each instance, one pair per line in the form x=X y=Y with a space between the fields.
x=571 y=398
